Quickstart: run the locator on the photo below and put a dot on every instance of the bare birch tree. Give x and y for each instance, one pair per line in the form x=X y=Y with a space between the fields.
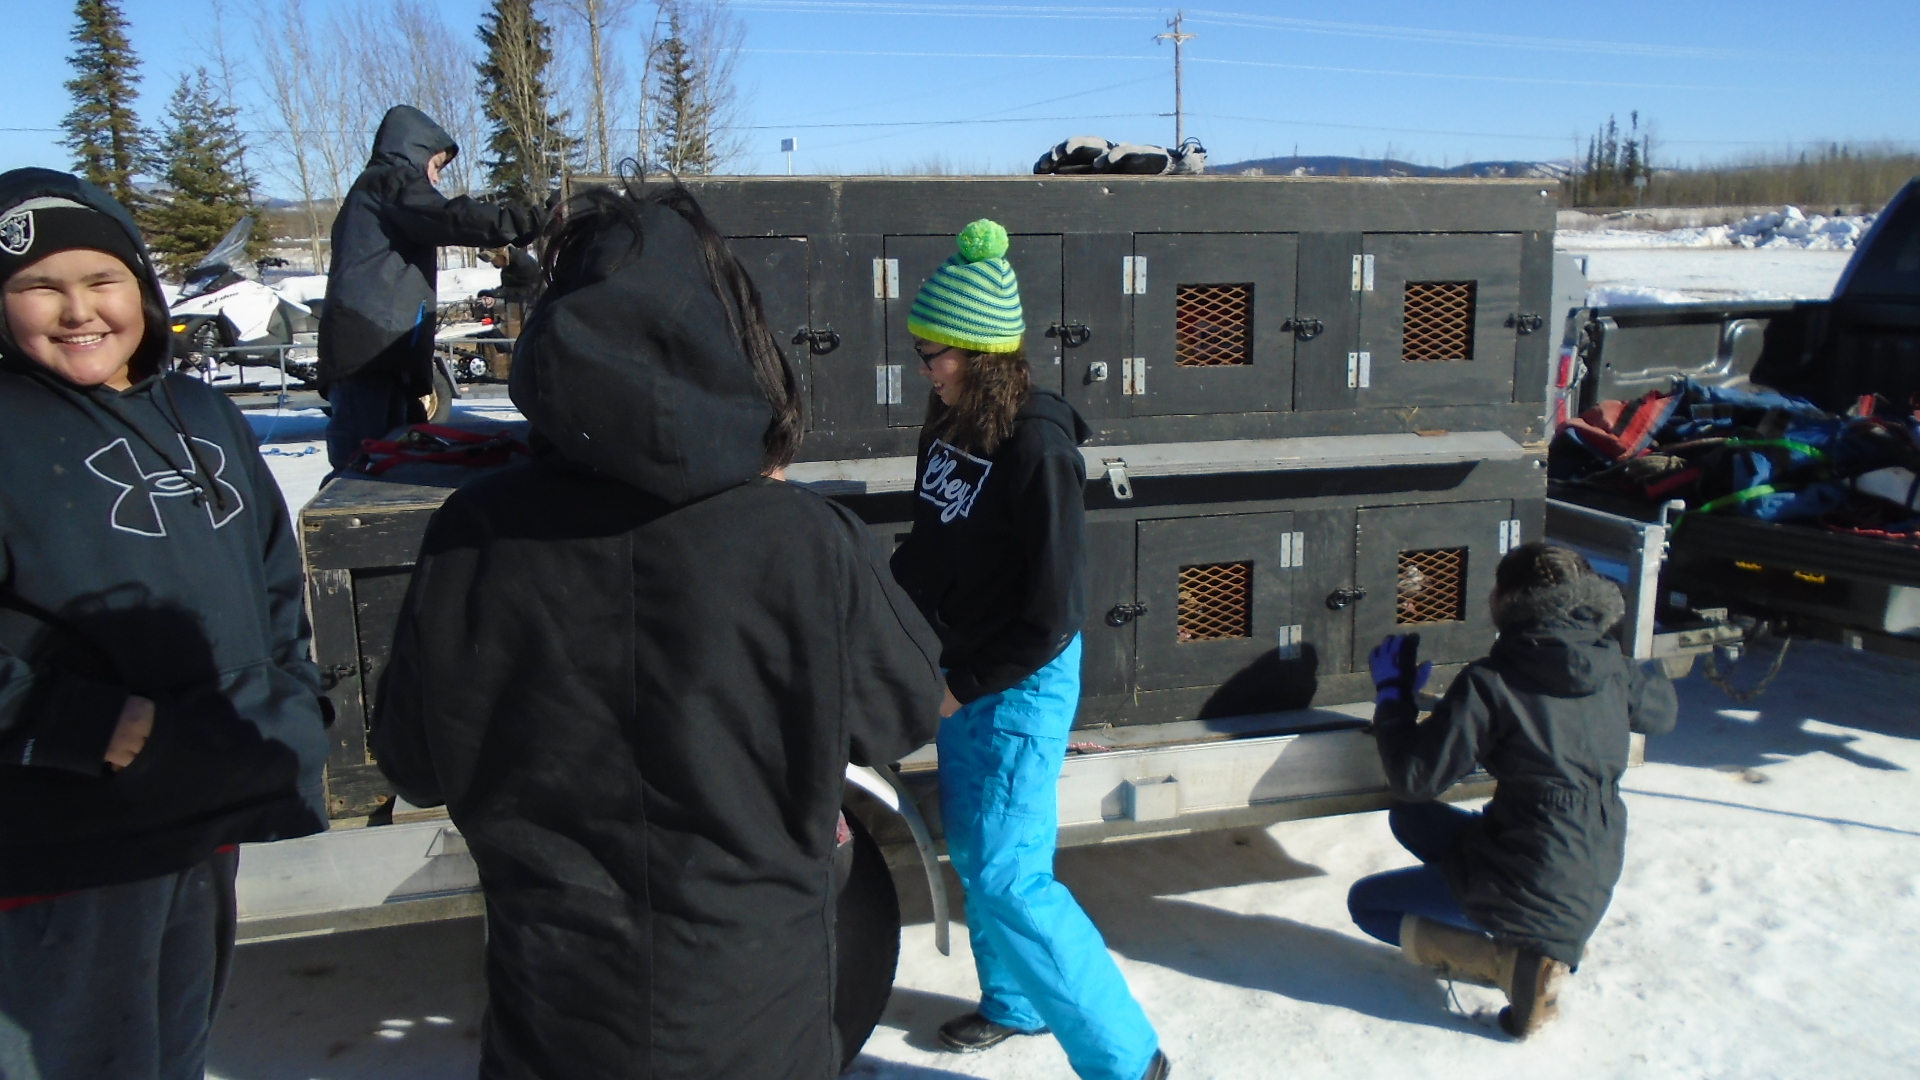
x=600 y=21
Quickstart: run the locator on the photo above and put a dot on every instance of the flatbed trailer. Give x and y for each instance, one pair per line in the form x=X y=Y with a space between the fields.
x=1319 y=409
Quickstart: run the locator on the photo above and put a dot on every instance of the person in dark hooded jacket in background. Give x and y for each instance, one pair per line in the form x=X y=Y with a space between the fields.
x=376 y=330
x=157 y=702
x=1509 y=896
x=635 y=670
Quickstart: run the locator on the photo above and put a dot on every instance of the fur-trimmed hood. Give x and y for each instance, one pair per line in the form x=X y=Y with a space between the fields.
x=1557 y=637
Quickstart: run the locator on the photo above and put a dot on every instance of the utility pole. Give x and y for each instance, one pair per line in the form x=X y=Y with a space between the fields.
x=1178 y=38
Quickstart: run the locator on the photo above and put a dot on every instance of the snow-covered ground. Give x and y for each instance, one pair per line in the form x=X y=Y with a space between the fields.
x=1782 y=255
x=1768 y=923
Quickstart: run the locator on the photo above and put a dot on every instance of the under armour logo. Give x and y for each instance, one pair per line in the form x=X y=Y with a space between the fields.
x=116 y=464
x=16 y=232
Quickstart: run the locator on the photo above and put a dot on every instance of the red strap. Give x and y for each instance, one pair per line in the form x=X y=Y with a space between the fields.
x=12 y=903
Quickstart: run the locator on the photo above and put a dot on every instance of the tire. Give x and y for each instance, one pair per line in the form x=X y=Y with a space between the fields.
x=866 y=939
x=437 y=404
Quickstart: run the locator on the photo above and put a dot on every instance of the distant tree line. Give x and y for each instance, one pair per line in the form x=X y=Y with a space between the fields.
x=1837 y=176
x=536 y=92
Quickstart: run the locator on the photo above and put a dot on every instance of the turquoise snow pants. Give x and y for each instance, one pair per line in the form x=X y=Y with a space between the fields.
x=1042 y=964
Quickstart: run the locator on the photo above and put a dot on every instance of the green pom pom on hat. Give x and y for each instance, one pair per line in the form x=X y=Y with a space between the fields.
x=973 y=301
x=983 y=239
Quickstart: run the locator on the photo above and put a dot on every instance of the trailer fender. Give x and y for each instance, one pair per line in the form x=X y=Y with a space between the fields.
x=884 y=784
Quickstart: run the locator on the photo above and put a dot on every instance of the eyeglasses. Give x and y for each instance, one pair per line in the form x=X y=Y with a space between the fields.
x=927 y=359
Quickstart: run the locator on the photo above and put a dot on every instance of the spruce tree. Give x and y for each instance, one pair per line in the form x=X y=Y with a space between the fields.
x=202 y=158
x=681 y=141
x=527 y=140
x=102 y=130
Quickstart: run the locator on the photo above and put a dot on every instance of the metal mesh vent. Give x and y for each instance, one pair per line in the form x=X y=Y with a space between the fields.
x=1216 y=601
x=1213 y=325
x=1438 y=321
x=1433 y=586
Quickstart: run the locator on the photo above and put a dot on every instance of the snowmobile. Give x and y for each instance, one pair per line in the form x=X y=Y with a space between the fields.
x=219 y=308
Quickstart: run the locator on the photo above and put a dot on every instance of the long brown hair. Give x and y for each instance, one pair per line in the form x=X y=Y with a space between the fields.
x=996 y=386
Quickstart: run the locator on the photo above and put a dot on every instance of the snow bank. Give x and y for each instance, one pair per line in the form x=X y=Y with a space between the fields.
x=1787 y=227
x=465 y=282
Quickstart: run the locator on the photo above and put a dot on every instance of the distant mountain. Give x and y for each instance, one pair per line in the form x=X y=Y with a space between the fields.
x=1328 y=165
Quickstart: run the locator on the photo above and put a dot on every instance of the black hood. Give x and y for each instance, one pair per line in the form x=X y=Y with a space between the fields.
x=19 y=185
x=1556 y=637
x=631 y=365
x=1049 y=406
x=408 y=136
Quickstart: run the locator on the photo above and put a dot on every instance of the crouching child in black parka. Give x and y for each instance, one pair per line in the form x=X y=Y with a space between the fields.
x=157 y=704
x=1509 y=896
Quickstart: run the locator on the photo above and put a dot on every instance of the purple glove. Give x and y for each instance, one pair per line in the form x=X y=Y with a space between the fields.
x=1396 y=674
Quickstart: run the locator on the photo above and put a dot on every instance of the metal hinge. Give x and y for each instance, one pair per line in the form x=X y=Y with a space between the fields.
x=1293 y=550
x=886 y=279
x=1133 y=275
x=1117 y=478
x=1133 y=375
x=886 y=384
x=1509 y=535
x=1363 y=273
x=1290 y=637
x=1359 y=370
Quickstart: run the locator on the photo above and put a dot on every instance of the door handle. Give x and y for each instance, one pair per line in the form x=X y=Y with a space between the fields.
x=1304 y=329
x=1122 y=614
x=818 y=342
x=1071 y=335
x=1338 y=599
x=1525 y=323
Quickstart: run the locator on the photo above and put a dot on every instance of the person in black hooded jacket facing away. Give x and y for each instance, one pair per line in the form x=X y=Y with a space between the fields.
x=376 y=330
x=157 y=703
x=636 y=669
x=1508 y=897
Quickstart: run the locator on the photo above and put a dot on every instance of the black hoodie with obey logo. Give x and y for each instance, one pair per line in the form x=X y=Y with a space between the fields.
x=997 y=560
x=144 y=550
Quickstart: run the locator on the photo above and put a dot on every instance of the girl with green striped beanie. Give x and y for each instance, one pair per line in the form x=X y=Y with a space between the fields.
x=997 y=563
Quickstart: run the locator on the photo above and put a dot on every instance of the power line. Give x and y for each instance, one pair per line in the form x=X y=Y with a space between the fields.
x=1540 y=80
x=1254 y=21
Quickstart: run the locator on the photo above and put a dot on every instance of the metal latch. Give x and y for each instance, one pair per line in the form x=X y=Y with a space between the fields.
x=1338 y=599
x=1122 y=614
x=1117 y=478
x=1304 y=329
x=818 y=342
x=1525 y=323
x=1071 y=335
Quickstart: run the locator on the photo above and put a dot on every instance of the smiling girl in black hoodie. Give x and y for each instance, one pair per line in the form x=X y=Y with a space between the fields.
x=997 y=562
x=157 y=703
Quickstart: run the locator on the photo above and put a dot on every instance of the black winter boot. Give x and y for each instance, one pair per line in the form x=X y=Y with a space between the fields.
x=973 y=1033
x=1159 y=1068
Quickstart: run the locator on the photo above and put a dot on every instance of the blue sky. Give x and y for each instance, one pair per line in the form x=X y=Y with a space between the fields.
x=865 y=84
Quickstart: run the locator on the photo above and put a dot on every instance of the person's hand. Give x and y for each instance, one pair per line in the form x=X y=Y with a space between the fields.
x=1397 y=672
x=130 y=734
x=948 y=703
x=527 y=221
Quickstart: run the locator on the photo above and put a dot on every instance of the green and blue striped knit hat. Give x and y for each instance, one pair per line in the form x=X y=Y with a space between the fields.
x=973 y=301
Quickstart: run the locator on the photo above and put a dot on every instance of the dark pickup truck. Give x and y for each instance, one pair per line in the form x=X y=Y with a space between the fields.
x=1700 y=573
